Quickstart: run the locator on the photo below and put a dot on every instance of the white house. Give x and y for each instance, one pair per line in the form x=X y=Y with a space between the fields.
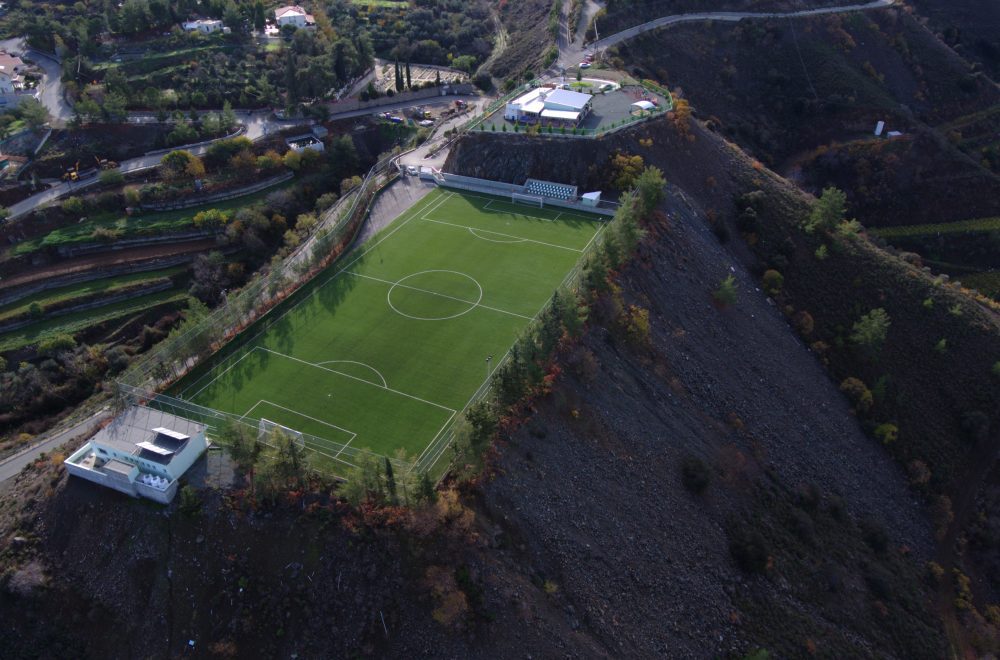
x=293 y=15
x=11 y=67
x=556 y=105
x=204 y=25
x=143 y=452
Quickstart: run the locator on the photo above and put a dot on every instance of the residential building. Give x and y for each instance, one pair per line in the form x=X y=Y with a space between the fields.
x=11 y=68
x=142 y=453
x=204 y=25
x=293 y=15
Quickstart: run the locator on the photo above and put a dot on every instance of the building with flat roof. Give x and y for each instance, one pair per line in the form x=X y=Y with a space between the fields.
x=142 y=453
x=557 y=106
x=301 y=143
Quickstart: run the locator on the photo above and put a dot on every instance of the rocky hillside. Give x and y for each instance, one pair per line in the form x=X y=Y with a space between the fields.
x=709 y=478
x=942 y=346
x=804 y=97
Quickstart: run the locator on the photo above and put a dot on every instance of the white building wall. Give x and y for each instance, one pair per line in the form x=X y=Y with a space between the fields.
x=101 y=479
x=298 y=20
x=194 y=448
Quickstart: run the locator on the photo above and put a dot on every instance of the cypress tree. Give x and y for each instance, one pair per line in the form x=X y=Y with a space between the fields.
x=409 y=82
x=427 y=492
x=390 y=482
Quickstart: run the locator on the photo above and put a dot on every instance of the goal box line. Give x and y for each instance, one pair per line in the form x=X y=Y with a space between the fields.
x=266 y=426
x=524 y=198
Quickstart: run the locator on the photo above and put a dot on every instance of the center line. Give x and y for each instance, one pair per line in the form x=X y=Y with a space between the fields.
x=435 y=293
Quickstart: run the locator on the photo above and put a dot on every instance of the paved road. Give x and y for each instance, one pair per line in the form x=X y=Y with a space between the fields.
x=574 y=52
x=258 y=125
x=51 y=90
x=12 y=466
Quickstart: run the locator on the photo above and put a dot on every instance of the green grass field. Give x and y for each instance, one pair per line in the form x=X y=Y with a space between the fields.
x=959 y=227
x=387 y=347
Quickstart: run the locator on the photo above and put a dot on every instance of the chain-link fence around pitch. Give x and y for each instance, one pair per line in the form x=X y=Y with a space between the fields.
x=180 y=352
x=428 y=461
x=217 y=335
x=326 y=455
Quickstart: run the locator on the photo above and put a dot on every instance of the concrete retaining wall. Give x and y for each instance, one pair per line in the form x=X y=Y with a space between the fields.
x=502 y=189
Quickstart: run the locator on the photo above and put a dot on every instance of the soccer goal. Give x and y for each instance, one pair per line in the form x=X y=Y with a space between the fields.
x=524 y=198
x=265 y=429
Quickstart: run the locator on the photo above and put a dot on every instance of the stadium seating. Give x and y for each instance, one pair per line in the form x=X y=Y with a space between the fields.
x=550 y=190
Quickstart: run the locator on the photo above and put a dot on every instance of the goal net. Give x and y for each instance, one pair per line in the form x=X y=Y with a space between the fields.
x=265 y=429
x=524 y=198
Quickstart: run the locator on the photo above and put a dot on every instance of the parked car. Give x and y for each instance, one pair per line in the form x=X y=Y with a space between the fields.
x=412 y=170
x=584 y=65
x=426 y=122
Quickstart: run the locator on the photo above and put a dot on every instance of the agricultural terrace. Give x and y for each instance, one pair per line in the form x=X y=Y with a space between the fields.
x=384 y=350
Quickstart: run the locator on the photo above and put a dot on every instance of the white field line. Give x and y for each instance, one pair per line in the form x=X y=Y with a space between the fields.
x=520 y=215
x=317 y=451
x=497 y=233
x=318 y=421
x=467 y=403
x=556 y=219
x=344 y=447
x=499 y=198
x=579 y=265
x=219 y=376
x=493 y=240
x=360 y=380
x=434 y=439
x=599 y=230
x=252 y=408
x=442 y=295
x=385 y=383
x=413 y=210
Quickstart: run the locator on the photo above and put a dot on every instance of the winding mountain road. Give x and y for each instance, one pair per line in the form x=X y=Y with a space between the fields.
x=574 y=51
x=258 y=125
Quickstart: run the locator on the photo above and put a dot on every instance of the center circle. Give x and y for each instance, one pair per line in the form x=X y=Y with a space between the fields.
x=447 y=288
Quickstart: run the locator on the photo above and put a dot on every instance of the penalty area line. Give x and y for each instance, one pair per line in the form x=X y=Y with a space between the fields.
x=426 y=218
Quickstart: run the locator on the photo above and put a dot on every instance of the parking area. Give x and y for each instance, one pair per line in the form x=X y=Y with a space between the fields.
x=609 y=108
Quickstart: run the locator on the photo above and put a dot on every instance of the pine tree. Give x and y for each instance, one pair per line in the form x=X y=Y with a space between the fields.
x=390 y=482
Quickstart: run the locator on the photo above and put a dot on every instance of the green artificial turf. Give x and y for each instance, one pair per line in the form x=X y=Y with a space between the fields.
x=392 y=342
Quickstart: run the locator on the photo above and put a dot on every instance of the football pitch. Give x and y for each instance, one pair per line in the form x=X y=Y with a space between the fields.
x=386 y=347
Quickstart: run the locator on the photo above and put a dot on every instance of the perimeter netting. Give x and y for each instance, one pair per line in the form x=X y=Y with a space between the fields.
x=265 y=429
x=531 y=200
